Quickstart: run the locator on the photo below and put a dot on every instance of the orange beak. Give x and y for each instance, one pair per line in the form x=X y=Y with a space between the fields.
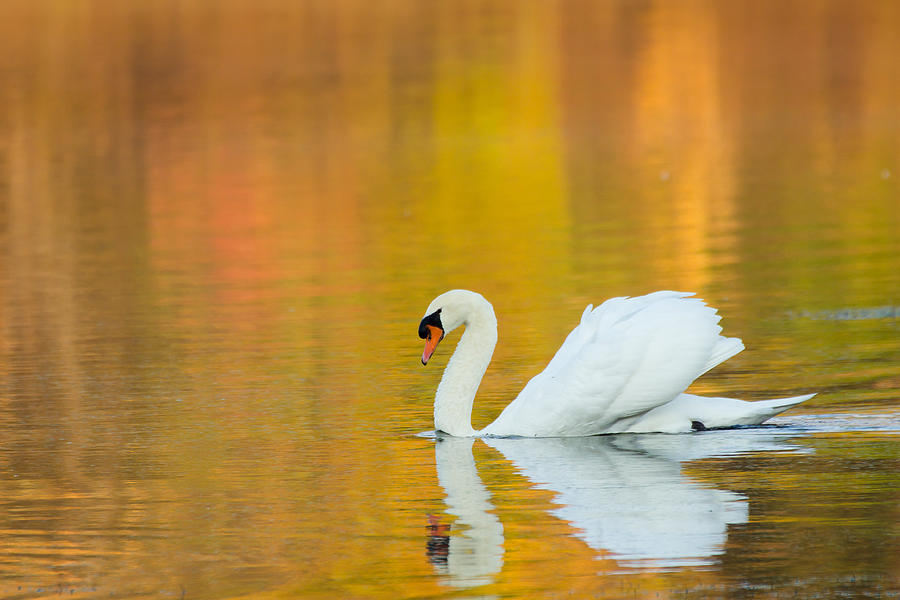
x=435 y=335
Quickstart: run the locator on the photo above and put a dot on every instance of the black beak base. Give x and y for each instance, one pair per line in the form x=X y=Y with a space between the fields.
x=434 y=319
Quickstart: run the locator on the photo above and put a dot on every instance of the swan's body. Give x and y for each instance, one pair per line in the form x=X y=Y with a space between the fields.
x=624 y=368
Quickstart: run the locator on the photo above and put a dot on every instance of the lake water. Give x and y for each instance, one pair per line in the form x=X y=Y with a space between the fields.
x=220 y=224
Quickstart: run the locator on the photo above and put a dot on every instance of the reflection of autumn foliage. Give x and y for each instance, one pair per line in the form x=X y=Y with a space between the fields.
x=220 y=221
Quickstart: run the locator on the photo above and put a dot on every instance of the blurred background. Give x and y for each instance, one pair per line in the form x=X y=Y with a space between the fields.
x=220 y=223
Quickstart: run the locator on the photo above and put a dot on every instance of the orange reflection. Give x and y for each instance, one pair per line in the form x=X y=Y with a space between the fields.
x=222 y=220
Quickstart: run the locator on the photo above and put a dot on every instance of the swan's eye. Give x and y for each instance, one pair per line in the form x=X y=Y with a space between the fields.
x=432 y=320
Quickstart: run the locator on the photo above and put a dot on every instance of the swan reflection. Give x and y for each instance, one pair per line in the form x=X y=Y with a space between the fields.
x=473 y=557
x=625 y=496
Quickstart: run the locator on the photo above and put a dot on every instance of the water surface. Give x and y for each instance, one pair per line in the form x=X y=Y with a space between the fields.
x=220 y=224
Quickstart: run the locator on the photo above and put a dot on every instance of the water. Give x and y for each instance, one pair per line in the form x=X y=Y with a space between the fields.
x=220 y=224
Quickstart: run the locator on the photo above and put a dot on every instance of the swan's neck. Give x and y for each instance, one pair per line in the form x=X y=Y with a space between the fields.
x=456 y=392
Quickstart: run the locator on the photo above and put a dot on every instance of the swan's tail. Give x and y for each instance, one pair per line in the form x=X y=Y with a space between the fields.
x=687 y=412
x=728 y=412
x=769 y=408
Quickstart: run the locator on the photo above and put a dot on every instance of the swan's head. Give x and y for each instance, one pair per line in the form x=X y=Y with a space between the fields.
x=447 y=312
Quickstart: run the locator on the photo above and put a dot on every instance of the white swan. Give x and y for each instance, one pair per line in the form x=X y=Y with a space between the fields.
x=624 y=368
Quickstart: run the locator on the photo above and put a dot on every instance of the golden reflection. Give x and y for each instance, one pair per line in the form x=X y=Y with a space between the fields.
x=681 y=137
x=219 y=222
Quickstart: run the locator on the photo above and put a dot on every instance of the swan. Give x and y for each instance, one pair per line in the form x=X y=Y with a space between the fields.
x=623 y=369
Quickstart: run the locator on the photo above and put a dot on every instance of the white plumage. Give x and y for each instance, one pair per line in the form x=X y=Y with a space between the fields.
x=624 y=368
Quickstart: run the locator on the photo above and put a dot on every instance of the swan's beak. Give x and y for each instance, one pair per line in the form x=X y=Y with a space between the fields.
x=432 y=339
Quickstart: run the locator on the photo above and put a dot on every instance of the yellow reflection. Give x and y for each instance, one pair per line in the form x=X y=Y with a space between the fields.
x=495 y=213
x=222 y=220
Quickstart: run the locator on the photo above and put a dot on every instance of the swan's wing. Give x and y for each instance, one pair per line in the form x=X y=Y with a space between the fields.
x=627 y=356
